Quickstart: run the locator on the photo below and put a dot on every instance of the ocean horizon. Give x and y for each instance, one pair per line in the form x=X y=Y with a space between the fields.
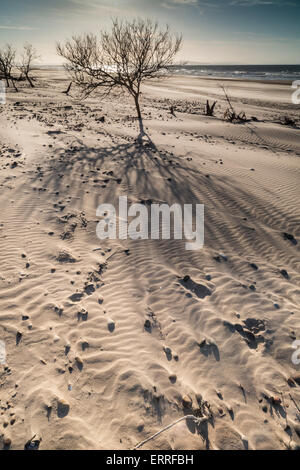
x=247 y=72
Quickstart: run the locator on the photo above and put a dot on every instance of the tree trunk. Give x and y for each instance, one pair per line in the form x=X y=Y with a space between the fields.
x=137 y=105
x=14 y=85
x=29 y=81
x=7 y=82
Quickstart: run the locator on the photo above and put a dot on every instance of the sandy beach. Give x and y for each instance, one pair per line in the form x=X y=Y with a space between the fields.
x=108 y=342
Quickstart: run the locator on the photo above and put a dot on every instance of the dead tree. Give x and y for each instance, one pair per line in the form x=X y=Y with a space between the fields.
x=122 y=59
x=7 y=60
x=26 y=65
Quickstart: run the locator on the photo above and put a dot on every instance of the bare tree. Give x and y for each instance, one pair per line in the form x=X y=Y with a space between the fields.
x=26 y=65
x=7 y=60
x=132 y=52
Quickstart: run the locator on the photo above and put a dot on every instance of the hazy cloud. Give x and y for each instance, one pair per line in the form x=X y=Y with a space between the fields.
x=18 y=28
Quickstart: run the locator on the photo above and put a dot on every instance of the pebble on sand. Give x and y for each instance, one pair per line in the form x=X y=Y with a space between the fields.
x=79 y=361
x=187 y=402
x=111 y=325
x=6 y=443
x=63 y=407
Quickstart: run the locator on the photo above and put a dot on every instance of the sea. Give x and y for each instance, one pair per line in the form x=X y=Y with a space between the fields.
x=248 y=72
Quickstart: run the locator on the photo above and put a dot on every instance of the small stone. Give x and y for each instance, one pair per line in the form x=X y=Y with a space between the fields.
x=18 y=337
x=285 y=274
x=62 y=407
x=173 y=378
x=167 y=350
x=276 y=401
x=6 y=442
x=79 y=362
x=187 y=402
x=147 y=324
x=291 y=382
x=111 y=325
x=296 y=378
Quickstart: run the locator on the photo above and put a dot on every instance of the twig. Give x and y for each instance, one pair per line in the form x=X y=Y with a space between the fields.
x=198 y=420
x=293 y=400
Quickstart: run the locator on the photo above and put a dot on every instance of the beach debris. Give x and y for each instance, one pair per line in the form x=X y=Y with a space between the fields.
x=172 y=111
x=200 y=290
x=276 y=400
x=18 y=337
x=65 y=257
x=198 y=421
x=187 y=401
x=32 y=444
x=82 y=314
x=63 y=407
x=68 y=89
x=230 y=114
x=209 y=108
x=6 y=443
x=288 y=121
x=284 y=273
x=79 y=362
x=290 y=237
x=173 y=378
x=168 y=352
x=111 y=325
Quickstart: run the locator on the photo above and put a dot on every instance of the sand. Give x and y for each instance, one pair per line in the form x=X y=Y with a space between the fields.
x=107 y=342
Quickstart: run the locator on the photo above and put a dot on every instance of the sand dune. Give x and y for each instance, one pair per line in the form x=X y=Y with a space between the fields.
x=108 y=342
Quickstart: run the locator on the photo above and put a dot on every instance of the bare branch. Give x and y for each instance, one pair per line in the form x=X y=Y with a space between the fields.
x=26 y=64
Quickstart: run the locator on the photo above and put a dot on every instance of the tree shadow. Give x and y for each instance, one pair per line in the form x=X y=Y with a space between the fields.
x=147 y=174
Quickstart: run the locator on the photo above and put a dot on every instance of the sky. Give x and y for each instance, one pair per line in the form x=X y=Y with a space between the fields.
x=214 y=32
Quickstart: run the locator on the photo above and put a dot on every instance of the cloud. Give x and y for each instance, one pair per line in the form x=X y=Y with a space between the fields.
x=17 y=28
x=251 y=3
x=180 y=3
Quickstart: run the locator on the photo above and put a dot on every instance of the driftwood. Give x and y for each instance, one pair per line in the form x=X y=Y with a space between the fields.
x=209 y=108
x=172 y=111
x=194 y=418
x=68 y=89
x=230 y=114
